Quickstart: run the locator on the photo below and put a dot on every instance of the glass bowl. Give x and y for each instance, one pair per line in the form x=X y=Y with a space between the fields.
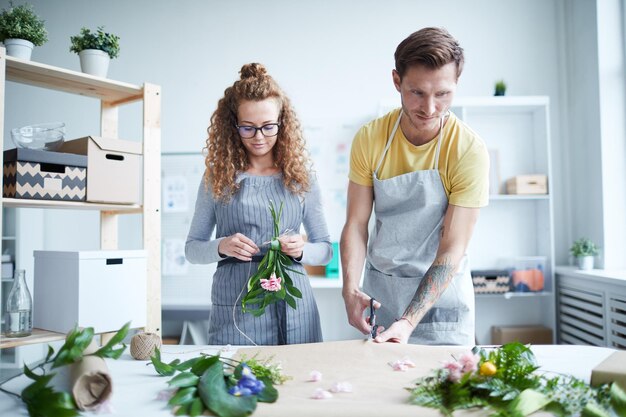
x=44 y=136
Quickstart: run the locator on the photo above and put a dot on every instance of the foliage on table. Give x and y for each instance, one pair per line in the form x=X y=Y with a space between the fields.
x=271 y=282
x=505 y=381
x=40 y=398
x=226 y=387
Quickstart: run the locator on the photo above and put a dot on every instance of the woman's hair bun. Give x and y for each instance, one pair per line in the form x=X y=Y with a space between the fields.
x=252 y=70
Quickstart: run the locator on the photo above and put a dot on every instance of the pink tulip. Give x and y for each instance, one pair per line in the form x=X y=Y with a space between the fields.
x=271 y=284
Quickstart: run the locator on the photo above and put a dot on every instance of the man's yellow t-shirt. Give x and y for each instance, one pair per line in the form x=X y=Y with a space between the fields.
x=463 y=159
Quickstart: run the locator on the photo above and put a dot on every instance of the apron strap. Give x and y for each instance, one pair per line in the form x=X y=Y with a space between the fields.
x=389 y=140
x=439 y=140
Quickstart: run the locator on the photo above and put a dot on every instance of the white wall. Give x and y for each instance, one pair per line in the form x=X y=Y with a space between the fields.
x=334 y=59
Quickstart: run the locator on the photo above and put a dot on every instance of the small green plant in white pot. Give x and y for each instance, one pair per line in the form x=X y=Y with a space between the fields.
x=21 y=30
x=584 y=251
x=95 y=50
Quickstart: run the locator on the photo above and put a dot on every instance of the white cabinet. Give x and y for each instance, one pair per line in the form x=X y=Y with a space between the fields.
x=112 y=95
x=516 y=131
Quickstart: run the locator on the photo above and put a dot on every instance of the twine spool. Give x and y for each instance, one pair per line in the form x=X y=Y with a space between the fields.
x=143 y=345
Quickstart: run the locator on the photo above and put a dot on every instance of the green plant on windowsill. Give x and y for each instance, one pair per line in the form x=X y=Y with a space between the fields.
x=21 y=22
x=584 y=247
x=100 y=40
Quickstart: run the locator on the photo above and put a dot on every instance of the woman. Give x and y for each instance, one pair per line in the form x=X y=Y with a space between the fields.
x=256 y=154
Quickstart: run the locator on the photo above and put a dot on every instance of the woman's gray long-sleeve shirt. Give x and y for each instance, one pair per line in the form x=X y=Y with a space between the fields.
x=248 y=213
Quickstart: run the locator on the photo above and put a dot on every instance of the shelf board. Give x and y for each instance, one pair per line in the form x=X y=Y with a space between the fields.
x=517 y=197
x=73 y=205
x=38 y=336
x=61 y=79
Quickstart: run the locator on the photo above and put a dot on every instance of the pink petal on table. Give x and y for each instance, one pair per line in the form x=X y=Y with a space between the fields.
x=315 y=376
x=321 y=394
x=104 y=408
x=341 y=387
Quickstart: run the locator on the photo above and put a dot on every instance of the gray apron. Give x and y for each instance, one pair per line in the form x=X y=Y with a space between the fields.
x=409 y=211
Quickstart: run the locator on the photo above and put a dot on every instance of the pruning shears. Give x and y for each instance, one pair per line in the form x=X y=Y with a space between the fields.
x=372 y=319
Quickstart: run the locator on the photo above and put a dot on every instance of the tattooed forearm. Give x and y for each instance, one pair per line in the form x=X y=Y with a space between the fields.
x=431 y=287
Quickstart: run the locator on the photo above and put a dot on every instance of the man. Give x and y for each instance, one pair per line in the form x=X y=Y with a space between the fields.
x=426 y=173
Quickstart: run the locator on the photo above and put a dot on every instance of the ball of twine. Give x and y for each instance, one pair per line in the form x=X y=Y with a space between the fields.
x=143 y=345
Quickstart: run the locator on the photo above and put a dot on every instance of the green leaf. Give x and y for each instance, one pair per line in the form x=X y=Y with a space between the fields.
x=205 y=363
x=269 y=393
x=188 y=364
x=528 y=402
x=183 y=380
x=290 y=300
x=161 y=368
x=196 y=407
x=183 y=396
x=50 y=353
x=294 y=291
x=215 y=396
x=592 y=409
x=618 y=399
x=107 y=350
x=74 y=346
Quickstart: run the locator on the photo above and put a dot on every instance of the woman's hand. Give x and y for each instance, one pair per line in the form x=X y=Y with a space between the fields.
x=292 y=245
x=238 y=246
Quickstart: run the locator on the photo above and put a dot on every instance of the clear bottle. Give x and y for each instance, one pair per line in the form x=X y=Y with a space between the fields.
x=19 y=321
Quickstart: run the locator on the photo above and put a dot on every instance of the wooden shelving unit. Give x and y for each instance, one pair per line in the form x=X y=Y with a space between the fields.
x=111 y=94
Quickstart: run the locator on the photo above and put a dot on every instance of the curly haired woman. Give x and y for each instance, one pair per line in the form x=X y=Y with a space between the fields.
x=256 y=154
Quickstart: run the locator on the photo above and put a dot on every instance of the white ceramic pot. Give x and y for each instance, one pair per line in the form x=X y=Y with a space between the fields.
x=585 y=262
x=94 y=62
x=19 y=48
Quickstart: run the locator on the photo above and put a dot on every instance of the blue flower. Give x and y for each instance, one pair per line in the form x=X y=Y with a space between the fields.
x=247 y=384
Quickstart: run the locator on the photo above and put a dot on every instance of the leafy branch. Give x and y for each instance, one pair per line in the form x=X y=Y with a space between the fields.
x=42 y=400
x=272 y=283
x=226 y=387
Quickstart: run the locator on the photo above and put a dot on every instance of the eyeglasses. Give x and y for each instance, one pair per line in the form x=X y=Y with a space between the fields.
x=248 y=132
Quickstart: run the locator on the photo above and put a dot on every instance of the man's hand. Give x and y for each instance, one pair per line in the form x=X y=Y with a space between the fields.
x=356 y=302
x=238 y=246
x=398 y=332
x=292 y=245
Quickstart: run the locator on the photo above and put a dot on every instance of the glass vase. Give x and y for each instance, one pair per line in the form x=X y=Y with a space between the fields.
x=18 y=318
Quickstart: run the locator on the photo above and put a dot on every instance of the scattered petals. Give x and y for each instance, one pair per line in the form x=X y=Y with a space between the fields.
x=321 y=394
x=402 y=364
x=341 y=387
x=105 y=407
x=315 y=376
x=166 y=394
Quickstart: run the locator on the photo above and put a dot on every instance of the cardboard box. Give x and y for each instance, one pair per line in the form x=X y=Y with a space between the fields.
x=44 y=175
x=114 y=168
x=535 y=335
x=99 y=289
x=612 y=369
x=527 y=184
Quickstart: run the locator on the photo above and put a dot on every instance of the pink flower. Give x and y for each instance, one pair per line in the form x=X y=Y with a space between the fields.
x=315 y=376
x=454 y=370
x=469 y=362
x=271 y=284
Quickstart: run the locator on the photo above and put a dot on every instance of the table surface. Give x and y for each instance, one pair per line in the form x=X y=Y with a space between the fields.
x=365 y=365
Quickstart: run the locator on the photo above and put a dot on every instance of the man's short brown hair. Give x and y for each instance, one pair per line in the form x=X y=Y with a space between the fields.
x=430 y=47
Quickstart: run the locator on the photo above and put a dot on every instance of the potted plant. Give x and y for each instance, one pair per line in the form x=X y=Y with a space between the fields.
x=584 y=250
x=95 y=50
x=21 y=30
x=500 y=88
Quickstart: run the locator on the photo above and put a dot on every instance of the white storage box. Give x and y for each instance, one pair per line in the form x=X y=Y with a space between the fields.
x=99 y=289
